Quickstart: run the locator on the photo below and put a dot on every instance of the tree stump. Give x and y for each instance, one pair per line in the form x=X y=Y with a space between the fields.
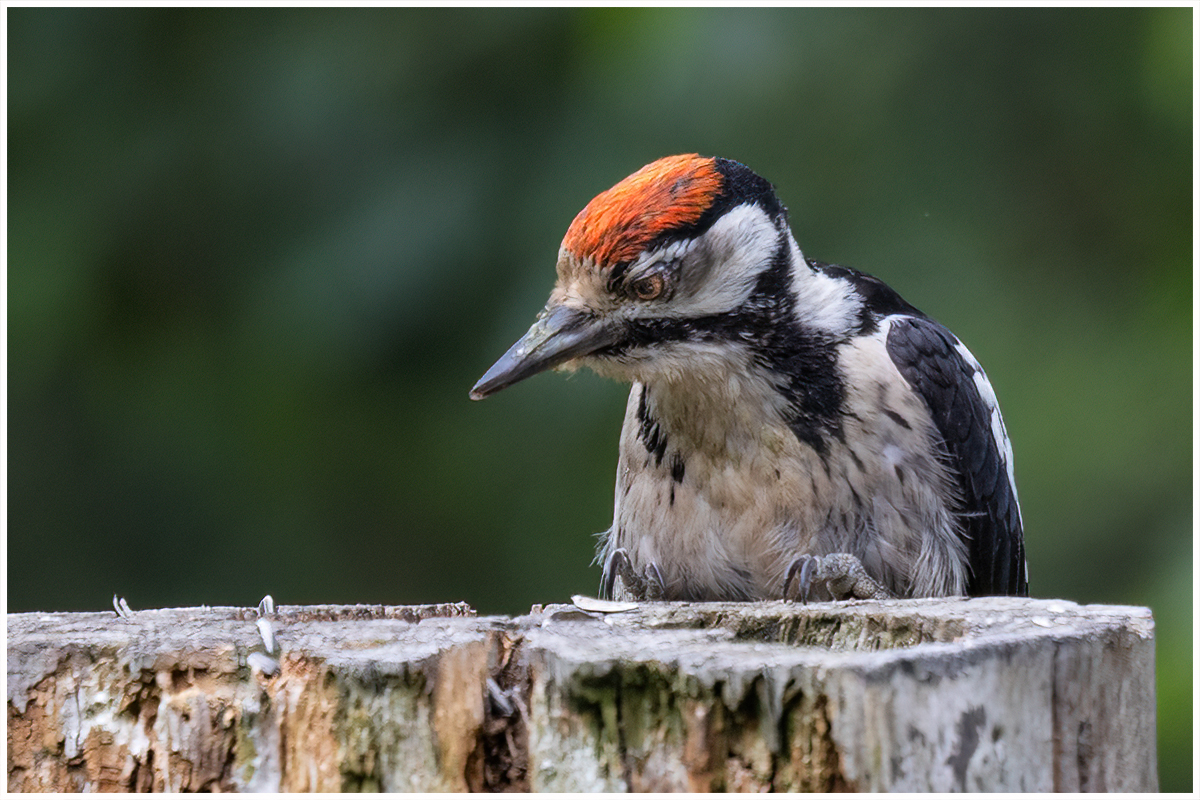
x=987 y=694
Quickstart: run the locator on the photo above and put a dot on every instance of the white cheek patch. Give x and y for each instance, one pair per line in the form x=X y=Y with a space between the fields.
x=742 y=242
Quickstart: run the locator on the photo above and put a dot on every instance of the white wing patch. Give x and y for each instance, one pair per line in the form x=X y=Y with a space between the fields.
x=999 y=432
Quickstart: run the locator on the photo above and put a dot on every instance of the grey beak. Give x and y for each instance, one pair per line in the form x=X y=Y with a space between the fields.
x=559 y=334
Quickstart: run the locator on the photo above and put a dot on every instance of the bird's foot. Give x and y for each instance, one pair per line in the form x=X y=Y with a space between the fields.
x=646 y=585
x=841 y=576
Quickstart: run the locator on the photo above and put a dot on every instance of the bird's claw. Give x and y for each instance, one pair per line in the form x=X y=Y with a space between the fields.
x=617 y=561
x=648 y=585
x=841 y=576
x=801 y=572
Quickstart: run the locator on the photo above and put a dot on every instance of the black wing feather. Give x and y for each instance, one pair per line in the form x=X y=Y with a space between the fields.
x=926 y=355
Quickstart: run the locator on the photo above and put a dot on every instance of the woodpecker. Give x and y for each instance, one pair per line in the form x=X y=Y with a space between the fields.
x=794 y=428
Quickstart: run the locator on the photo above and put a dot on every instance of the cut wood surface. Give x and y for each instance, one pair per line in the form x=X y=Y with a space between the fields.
x=939 y=694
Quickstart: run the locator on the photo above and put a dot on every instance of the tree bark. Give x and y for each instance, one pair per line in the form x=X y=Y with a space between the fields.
x=988 y=694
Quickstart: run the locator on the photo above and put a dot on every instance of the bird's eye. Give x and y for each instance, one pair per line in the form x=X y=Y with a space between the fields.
x=649 y=287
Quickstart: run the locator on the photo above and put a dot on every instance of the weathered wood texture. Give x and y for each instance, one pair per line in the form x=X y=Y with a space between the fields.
x=984 y=694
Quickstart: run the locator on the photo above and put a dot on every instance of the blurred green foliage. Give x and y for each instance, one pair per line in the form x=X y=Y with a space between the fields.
x=256 y=258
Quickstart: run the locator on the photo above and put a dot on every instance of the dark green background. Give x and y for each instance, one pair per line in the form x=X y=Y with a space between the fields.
x=257 y=258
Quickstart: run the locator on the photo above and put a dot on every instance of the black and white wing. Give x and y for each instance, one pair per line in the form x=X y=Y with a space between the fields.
x=964 y=410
